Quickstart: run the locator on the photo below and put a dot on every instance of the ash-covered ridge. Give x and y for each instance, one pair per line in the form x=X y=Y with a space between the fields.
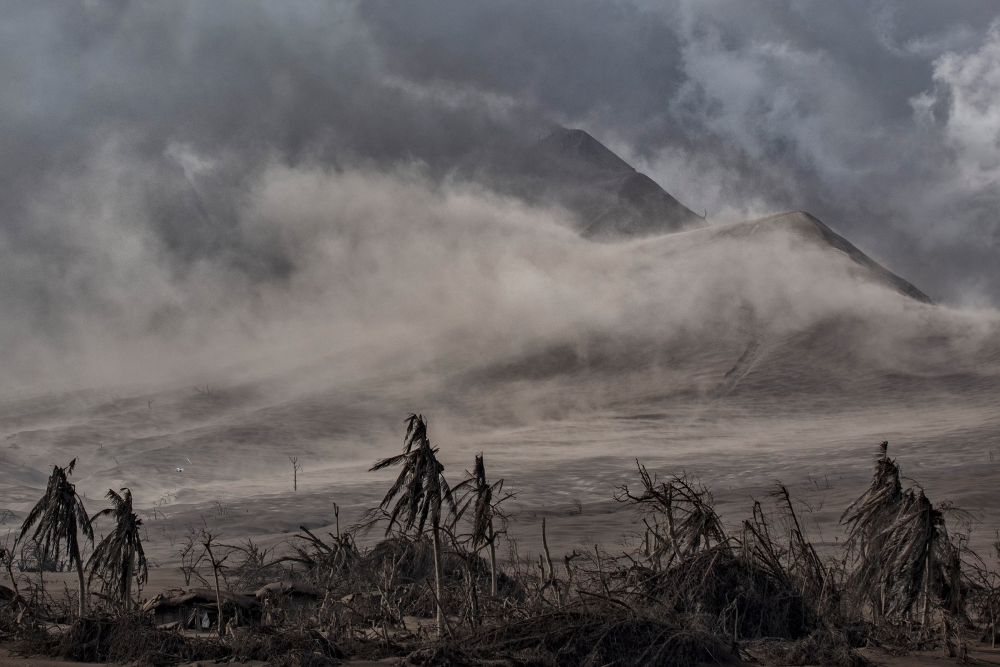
x=610 y=197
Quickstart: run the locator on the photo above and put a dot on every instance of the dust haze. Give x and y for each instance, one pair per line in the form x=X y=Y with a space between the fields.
x=393 y=268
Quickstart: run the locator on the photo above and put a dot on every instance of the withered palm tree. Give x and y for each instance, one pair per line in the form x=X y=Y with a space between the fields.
x=917 y=548
x=901 y=545
x=417 y=496
x=483 y=498
x=119 y=557
x=58 y=519
x=867 y=520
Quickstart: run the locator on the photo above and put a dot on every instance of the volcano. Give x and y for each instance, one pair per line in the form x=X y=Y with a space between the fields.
x=611 y=198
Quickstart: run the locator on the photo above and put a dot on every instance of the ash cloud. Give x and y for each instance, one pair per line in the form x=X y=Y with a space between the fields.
x=181 y=182
x=744 y=108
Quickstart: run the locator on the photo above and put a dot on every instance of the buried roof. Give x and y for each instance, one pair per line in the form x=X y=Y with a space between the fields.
x=198 y=596
x=288 y=588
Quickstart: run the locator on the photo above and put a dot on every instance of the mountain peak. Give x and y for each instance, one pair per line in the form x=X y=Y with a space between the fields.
x=609 y=196
x=581 y=151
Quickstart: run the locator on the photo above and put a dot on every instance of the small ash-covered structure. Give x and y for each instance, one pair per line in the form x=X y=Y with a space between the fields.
x=198 y=609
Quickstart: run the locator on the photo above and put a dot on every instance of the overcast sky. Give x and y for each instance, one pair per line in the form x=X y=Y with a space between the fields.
x=133 y=132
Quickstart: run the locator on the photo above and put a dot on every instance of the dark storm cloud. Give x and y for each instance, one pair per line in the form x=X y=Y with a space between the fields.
x=135 y=135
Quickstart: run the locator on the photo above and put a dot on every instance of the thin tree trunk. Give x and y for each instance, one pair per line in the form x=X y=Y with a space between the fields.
x=925 y=615
x=493 y=561
x=549 y=573
x=438 y=576
x=218 y=591
x=83 y=586
x=473 y=595
x=128 y=582
x=671 y=533
x=993 y=627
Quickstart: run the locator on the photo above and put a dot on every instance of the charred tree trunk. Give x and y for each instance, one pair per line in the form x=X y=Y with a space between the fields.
x=438 y=576
x=548 y=573
x=218 y=590
x=128 y=582
x=493 y=561
x=83 y=586
x=925 y=614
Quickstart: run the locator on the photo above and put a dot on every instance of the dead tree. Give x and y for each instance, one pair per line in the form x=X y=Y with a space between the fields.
x=217 y=561
x=296 y=468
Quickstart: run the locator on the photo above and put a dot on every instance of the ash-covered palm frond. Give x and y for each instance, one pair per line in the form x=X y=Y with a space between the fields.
x=804 y=564
x=421 y=490
x=119 y=558
x=483 y=499
x=868 y=514
x=58 y=518
x=917 y=549
x=417 y=496
x=901 y=548
x=867 y=520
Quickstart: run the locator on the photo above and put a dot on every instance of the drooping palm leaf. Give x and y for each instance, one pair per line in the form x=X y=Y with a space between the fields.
x=418 y=494
x=119 y=557
x=479 y=495
x=900 y=545
x=58 y=518
x=420 y=490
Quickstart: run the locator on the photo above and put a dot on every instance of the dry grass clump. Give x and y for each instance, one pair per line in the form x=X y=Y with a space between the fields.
x=599 y=635
x=331 y=559
x=288 y=647
x=127 y=638
x=747 y=587
x=410 y=564
x=133 y=638
x=744 y=599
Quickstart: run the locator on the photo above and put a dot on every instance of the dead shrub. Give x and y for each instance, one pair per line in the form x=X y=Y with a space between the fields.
x=125 y=638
